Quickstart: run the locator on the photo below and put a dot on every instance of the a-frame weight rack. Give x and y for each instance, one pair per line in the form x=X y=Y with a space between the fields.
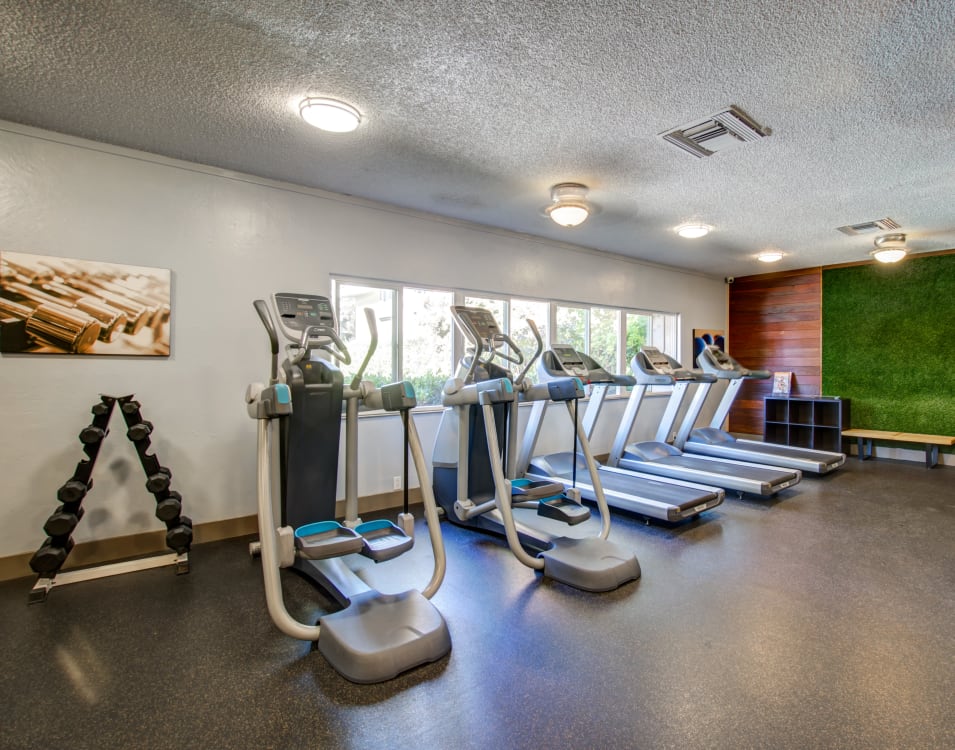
x=50 y=557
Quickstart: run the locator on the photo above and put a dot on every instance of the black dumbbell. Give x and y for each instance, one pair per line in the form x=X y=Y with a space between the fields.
x=63 y=521
x=50 y=557
x=179 y=537
x=140 y=431
x=169 y=508
x=73 y=491
x=159 y=481
x=92 y=434
x=131 y=407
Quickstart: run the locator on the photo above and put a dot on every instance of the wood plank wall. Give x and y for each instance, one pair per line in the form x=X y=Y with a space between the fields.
x=775 y=324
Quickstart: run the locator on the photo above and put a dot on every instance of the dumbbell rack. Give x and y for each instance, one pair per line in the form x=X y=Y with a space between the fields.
x=50 y=557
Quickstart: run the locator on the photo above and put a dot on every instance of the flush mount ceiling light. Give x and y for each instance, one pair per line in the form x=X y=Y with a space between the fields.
x=890 y=248
x=329 y=114
x=693 y=230
x=770 y=256
x=569 y=206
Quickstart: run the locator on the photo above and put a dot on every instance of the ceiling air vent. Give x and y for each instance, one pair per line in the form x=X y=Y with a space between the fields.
x=867 y=227
x=718 y=132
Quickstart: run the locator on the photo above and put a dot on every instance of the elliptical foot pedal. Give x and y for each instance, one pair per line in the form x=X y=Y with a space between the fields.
x=561 y=508
x=525 y=489
x=324 y=539
x=382 y=540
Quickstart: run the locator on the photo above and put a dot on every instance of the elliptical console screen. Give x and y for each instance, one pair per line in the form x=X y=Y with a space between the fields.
x=299 y=311
x=480 y=320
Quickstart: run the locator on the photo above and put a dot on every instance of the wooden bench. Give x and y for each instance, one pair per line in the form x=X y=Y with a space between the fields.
x=931 y=442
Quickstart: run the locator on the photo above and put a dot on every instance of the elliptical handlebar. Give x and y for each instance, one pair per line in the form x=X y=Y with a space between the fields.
x=490 y=346
x=339 y=351
x=266 y=317
x=516 y=358
x=540 y=350
x=372 y=347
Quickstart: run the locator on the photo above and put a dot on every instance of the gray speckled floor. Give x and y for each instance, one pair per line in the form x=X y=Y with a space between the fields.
x=820 y=620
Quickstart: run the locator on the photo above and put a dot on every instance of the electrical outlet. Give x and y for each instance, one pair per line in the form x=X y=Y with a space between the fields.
x=396 y=483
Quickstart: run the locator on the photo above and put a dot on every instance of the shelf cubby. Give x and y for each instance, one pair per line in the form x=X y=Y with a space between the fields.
x=776 y=432
x=806 y=422
x=777 y=410
x=800 y=412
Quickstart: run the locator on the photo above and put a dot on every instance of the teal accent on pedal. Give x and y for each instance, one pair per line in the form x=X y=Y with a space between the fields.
x=364 y=528
x=508 y=386
x=282 y=393
x=409 y=390
x=580 y=383
x=520 y=482
x=319 y=527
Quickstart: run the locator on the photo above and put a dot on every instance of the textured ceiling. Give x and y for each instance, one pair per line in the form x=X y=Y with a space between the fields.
x=473 y=109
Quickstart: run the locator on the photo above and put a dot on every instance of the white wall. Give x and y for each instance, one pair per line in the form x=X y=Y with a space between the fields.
x=229 y=239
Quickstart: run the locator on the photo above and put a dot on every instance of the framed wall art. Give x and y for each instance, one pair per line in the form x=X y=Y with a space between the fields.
x=703 y=337
x=782 y=383
x=51 y=305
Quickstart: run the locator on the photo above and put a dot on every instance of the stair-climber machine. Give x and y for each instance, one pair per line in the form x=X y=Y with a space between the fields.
x=668 y=500
x=652 y=367
x=712 y=440
x=375 y=636
x=475 y=457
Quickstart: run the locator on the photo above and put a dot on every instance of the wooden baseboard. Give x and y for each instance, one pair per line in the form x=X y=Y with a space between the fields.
x=100 y=551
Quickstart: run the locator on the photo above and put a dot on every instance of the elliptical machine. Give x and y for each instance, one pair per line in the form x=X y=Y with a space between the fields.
x=475 y=462
x=375 y=636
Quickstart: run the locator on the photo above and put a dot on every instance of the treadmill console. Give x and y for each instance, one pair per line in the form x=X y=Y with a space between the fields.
x=720 y=358
x=717 y=362
x=577 y=365
x=572 y=363
x=297 y=312
x=664 y=365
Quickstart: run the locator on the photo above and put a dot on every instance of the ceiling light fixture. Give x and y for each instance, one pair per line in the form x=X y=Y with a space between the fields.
x=890 y=248
x=329 y=114
x=693 y=231
x=770 y=256
x=569 y=206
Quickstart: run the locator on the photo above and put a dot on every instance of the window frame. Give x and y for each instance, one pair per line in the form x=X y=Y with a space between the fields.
x=671 y=323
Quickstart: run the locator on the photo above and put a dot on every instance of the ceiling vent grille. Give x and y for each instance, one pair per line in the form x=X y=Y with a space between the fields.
x=868 y=227
x=719 y=132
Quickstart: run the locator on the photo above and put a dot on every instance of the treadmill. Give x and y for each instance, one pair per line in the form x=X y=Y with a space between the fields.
x=652 y=367
x=714 y=441
x=666 y=500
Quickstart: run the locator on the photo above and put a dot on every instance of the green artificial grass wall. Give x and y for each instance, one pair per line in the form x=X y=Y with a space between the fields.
x=888 y=343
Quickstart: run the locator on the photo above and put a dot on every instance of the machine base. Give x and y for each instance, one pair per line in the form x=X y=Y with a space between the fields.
x=591 y=564
x=378 y=636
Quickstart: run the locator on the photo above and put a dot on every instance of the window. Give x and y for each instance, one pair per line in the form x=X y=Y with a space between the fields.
x=521 y=311
x=417 y=340
x=597 y=331
x=605 y=337
x=571 y=327
x=350 y=303
x=426 y=351
x=424 y=328
x=591 y=330
x=638 y=334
